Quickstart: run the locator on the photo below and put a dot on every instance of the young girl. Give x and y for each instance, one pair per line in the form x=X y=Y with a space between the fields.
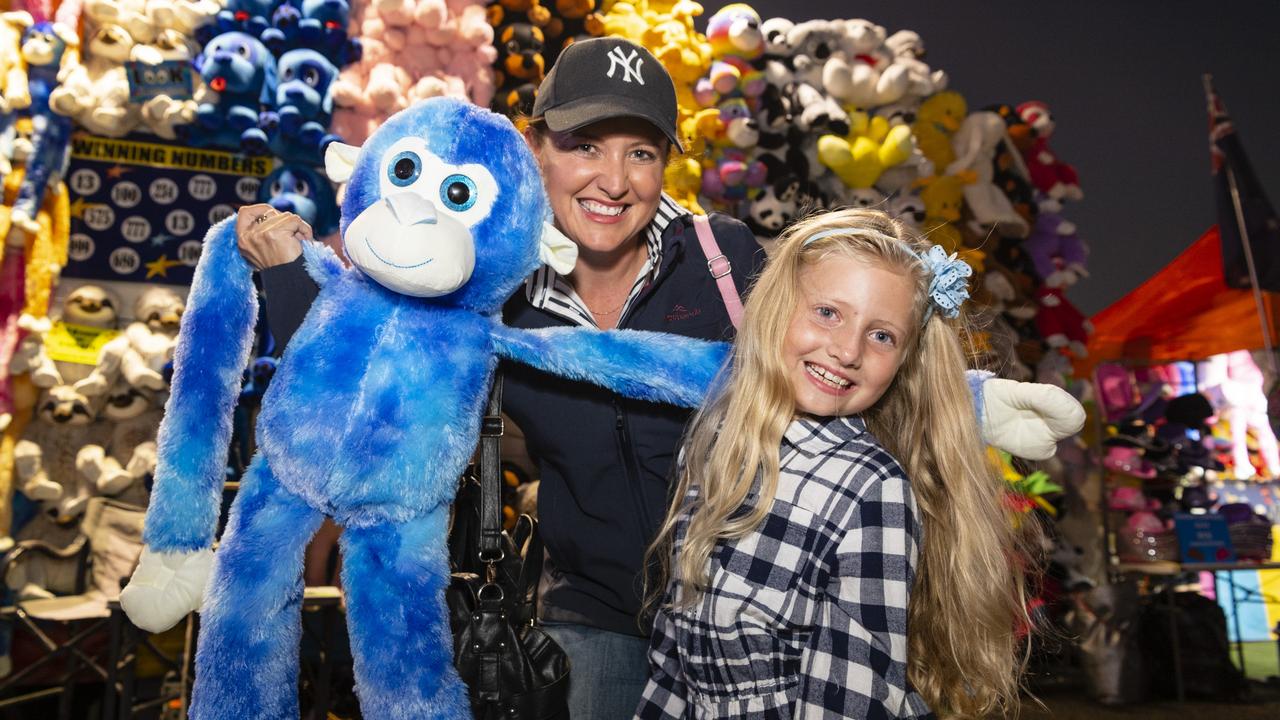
x=841 y=549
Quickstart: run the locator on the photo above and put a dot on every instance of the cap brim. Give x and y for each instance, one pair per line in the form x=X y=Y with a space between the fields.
x=584 y=111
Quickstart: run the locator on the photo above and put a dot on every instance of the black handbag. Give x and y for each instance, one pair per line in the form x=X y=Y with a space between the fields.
x=511 y=667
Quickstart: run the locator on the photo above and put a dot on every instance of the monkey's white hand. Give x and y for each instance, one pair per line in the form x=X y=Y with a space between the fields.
x=166 y=587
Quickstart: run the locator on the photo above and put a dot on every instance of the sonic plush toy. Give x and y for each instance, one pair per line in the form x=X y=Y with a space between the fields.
x=372 y=415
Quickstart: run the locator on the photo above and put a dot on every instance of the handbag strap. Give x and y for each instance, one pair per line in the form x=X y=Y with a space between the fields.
x=720 y=268
x=491 y=545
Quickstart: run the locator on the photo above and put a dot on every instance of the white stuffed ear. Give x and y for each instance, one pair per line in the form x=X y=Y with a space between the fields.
x=556 y=250
x=340 y=161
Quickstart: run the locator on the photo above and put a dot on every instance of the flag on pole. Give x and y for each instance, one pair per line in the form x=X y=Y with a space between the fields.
x=1246 y=221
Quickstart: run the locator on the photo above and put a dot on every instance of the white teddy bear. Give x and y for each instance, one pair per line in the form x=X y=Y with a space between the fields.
x=96 y=93
x=975 y=145
x=119 y=468
x=140 y=353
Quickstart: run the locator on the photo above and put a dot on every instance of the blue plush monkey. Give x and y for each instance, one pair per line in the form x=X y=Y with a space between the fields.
x=370 y=418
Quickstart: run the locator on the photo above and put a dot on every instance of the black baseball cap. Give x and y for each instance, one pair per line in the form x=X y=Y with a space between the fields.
x=604 y=78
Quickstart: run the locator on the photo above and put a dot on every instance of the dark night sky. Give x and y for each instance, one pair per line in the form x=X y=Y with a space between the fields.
x=1123 y=80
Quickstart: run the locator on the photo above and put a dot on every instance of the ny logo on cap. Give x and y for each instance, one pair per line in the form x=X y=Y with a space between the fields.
x=630 y=64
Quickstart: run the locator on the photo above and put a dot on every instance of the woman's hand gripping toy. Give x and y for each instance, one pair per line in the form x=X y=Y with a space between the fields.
x=371 y=417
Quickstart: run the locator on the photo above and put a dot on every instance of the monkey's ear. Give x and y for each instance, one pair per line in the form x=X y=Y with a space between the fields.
x=340 y=161
x=557 y=250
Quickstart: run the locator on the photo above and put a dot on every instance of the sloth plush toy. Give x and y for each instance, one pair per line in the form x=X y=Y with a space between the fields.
x=371 y=417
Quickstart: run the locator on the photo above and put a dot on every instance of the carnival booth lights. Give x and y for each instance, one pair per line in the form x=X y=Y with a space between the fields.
x=1188 y=450
x=127 y=128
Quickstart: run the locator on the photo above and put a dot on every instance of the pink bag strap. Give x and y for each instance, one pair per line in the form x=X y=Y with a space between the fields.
x=720 y=268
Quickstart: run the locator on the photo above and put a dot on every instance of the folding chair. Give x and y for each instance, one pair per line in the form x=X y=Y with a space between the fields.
x=107 y=549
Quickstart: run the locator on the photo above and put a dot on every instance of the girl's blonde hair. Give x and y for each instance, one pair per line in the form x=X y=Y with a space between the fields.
x=968 y=606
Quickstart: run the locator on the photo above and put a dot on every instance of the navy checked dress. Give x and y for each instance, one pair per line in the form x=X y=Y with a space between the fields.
x=807 y=616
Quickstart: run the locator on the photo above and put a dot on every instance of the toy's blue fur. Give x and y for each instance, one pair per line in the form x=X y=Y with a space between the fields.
x=372 y=415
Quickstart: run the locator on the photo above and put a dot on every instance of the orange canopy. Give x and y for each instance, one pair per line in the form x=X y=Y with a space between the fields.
x=1183 y=312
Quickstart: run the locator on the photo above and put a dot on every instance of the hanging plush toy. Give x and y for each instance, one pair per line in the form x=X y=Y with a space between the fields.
x=373 y=413
x=47 y=48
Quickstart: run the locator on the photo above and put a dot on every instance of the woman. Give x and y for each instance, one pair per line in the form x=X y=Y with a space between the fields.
x=604 y=124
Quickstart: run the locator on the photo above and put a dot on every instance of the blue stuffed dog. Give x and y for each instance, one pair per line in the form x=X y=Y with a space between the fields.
x=372 y=414
x=242 y=72
x=319 y=25
x=252 y=17
x=304 y=192
x=297 y=126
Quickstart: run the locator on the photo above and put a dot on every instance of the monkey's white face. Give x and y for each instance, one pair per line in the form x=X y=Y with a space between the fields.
x=417 y=240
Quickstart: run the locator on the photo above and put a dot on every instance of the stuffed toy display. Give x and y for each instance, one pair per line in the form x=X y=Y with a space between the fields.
x=44 y=465
x=318 y=25
x=96 y=92
x=474 y=174
x=120 y=468
x=1056 y=250
x=48 y=49
x=1052 y=177
x=297 y=123
x=137 y=356
x=975 y=143
x=413 y=51
x=1235 y=384
x=241 y=72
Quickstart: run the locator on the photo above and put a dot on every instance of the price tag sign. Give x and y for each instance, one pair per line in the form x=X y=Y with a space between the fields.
x=170 y=77
x=76 y=343
x=1203 y=538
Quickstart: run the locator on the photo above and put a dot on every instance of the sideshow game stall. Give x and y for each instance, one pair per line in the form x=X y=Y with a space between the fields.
x=129 y=128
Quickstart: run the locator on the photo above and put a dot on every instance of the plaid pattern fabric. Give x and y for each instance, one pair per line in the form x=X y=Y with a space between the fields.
x=548 y=290
x=806 y=617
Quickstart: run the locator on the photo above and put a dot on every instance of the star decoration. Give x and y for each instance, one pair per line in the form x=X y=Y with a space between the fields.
x=161 y=239
x=116 y=171
x=160 y=266
x=79 y=206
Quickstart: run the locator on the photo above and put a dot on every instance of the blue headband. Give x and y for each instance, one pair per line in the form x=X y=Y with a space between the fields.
x=948 y=288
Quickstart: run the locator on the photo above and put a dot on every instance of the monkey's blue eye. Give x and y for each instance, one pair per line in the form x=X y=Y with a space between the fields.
x=458 y=192
x=404 y=169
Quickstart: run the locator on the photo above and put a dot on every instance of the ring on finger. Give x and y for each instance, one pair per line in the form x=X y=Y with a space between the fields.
x=263 y=218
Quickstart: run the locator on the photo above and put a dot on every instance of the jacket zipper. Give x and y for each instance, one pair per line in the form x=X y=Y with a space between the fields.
x=632 y=470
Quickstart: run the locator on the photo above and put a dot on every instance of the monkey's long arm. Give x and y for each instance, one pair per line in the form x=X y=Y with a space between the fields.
x=646 y=365
x=213 y=347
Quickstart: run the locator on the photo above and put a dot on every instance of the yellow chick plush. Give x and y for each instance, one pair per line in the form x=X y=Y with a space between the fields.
x=943 y=197
x=868 y=150
x=937 y=120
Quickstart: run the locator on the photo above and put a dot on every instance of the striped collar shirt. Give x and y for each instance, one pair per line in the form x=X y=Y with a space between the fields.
x=547 y=290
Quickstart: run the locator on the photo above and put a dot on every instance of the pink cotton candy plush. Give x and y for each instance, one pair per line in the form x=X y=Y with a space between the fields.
x=413 y=50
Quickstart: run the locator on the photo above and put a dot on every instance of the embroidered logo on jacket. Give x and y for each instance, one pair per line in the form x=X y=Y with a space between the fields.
x=680 y=312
